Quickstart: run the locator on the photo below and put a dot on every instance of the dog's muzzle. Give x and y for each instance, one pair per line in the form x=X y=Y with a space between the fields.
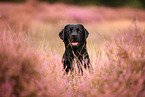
x=74 y=39
x=74 y=42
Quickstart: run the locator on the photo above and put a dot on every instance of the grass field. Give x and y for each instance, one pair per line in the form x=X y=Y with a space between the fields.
x=31 y=51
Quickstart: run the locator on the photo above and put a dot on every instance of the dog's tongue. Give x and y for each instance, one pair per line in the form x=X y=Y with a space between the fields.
x=74 y=43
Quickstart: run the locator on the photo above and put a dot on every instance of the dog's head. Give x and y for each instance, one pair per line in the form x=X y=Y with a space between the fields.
x=75 y=34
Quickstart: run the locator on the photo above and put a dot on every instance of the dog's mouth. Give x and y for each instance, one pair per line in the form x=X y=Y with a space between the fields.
x=74 y=43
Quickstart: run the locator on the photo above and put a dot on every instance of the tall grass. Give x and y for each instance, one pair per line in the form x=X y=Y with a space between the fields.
x=25 y=72
x=119 y=70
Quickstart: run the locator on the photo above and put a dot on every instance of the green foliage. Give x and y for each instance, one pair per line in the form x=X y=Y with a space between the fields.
x=112 y=3
x=143 y=3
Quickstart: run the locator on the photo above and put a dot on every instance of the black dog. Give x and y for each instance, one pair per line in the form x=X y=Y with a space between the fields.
x=74 y=37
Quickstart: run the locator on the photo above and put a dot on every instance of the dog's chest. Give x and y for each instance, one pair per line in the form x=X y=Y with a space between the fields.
x=76 y=61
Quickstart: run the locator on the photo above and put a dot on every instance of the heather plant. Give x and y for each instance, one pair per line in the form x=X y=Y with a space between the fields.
x=120 y=71
x=17 y=69
x=26 y=73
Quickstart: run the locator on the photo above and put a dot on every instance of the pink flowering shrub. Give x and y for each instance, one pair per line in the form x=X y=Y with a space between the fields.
x=24 y=72
x=17 y=70
x=122 y=72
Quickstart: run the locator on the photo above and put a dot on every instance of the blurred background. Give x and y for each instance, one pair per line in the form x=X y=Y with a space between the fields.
x=113 y=3
x=42 y=20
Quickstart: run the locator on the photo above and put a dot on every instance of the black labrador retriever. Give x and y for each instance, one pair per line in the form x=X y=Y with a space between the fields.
x=74 y=37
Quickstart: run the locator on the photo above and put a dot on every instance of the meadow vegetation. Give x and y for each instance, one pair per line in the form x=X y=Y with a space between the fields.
x=31 y=51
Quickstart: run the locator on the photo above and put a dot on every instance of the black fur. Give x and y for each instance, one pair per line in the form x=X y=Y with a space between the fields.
x=74 y=37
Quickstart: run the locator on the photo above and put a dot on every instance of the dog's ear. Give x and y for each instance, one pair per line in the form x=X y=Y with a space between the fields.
x=61 y=34
x=86 y=33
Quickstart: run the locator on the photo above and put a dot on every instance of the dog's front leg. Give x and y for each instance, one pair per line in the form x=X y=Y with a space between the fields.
x=67 y=63
x=80 y=65
x=67 y=66
x=86 y=60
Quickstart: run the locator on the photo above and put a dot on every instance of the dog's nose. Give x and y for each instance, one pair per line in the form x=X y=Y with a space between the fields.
x=74 y=34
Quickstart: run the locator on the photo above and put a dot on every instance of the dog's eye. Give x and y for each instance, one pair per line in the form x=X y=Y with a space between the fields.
x=69 y=31
x=79 y=31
